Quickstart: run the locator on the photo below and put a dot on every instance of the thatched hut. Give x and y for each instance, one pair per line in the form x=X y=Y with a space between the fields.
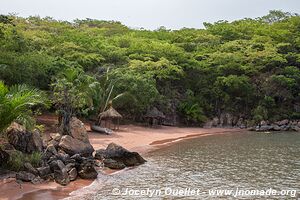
x=109 y=116
x=155 y=117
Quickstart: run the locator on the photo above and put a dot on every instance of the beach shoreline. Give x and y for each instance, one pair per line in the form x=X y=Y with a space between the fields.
x=134 y=138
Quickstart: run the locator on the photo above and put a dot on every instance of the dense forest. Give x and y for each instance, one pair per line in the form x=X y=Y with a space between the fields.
x=249 y=68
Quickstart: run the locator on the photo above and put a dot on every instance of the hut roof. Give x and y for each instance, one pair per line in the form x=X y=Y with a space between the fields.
x=155 y=113
x=110 y=113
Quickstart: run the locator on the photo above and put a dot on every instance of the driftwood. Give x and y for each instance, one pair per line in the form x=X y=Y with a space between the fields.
x=101 y=129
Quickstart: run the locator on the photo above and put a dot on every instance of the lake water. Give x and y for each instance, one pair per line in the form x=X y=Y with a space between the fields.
x=243 y=162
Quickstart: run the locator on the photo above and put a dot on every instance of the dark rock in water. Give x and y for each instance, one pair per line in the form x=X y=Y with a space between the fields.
x=72 y=174
x=29 y=168
x=73 y=146
x=113 y=164
x=23 y=140
x=87 y=170
x=44 y=172
x=100 y=154
x=61 y=177
x=121 y=154
x=25 y=176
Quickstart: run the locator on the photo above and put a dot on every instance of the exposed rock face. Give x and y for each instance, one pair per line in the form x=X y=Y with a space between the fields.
x=78 y=130
x=22 y=140
x=283 y=125
x=113 y=164
x=73 y=146
x=121 y=155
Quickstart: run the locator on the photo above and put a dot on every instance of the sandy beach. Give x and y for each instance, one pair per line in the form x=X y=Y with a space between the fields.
x=134 y=138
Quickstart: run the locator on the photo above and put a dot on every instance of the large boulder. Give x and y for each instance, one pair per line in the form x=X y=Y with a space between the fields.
x=78 y=130
x=74 y=146
x=120 y=154
x=23 y=140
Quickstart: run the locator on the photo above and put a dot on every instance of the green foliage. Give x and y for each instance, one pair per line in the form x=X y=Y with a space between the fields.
x=244 y=67
x=16 y=103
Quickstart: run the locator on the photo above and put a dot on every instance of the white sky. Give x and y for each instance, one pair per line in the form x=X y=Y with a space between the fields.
x=149 y=14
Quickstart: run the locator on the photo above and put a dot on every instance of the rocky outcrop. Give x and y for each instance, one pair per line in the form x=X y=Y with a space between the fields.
x=119 y=156
x=23 y=140
x=4 y=157
x=283 y=125
x=73 y=146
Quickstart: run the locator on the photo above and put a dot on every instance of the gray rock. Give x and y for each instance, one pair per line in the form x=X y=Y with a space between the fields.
x=25 y=176
x=282 y=122
x=78 y=130
x=113 y=164
x=61 y=177
x=73 y=146
x=37 y=180
x=44 y=171
x=4 y=157
x=295 y=128
x=29 y=168
x=23 y=140
x=100 y=154
x=87 y=170
x=72 y=174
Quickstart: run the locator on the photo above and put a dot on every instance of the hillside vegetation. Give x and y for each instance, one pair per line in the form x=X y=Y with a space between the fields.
x=249 y=68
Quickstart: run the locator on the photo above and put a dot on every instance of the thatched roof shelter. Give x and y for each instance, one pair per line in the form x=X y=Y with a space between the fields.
x=155 y=114
x=111 y=113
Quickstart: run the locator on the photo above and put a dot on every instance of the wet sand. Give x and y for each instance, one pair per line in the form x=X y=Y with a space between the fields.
x=134 y=138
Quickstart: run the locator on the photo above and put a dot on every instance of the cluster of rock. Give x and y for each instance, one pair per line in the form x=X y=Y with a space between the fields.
x=64 y=158
x=283 y=125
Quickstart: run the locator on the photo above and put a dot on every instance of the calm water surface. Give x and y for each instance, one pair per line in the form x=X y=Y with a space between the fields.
x=239 y=160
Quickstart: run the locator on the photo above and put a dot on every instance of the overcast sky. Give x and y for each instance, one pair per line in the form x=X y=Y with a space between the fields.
x=149 y=14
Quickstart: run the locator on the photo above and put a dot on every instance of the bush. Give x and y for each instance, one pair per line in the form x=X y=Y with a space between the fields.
x=17 y=160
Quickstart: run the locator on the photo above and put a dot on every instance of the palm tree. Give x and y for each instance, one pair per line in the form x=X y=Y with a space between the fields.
x=16 y=103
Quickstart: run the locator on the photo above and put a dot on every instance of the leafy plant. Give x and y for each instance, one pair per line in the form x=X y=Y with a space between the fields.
x=16 y=103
